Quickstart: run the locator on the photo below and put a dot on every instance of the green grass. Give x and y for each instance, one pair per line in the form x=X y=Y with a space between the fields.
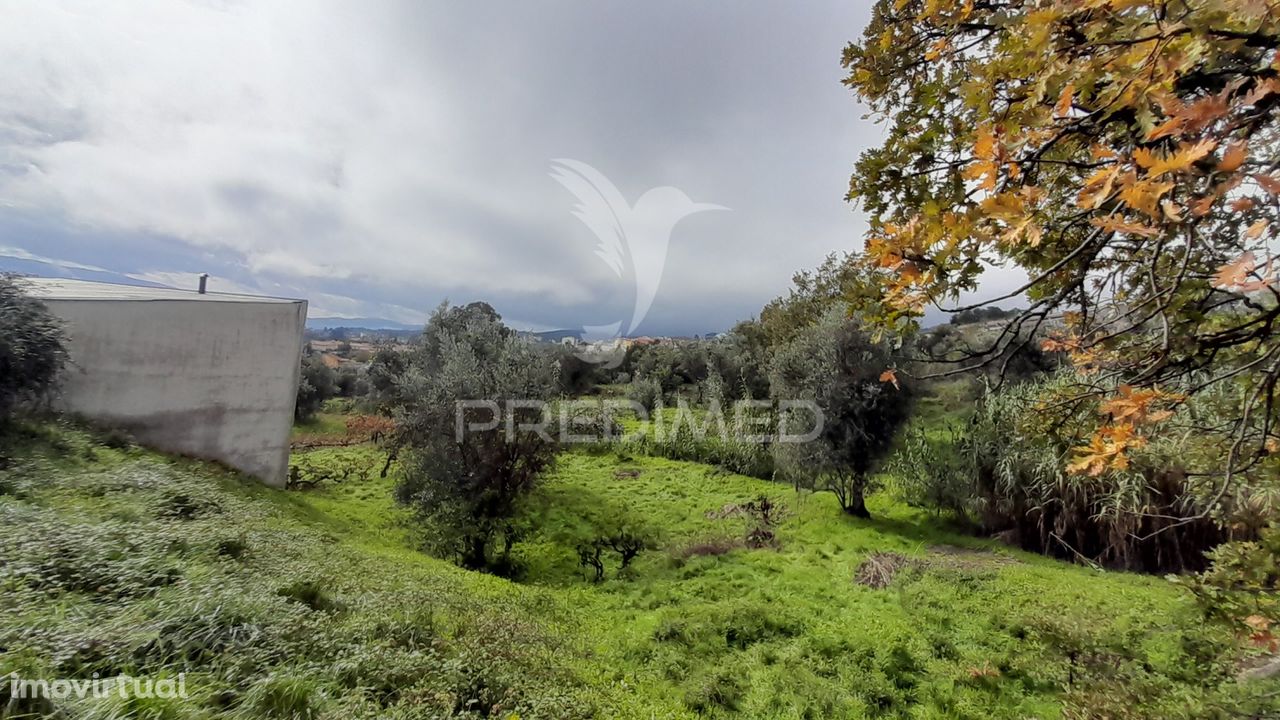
x=322 y=423
x=970 y=629
x=318 y=604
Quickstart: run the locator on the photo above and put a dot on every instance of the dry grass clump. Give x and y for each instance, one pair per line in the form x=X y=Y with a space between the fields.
x=878 y=570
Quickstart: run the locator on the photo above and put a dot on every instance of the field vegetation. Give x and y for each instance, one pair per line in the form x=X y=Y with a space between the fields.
x=320 y=603
x=1068 y=509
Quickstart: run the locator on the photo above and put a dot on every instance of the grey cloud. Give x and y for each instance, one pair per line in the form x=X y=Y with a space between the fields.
x=398 y=152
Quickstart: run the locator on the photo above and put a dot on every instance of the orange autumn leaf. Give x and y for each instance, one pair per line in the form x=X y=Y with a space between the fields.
x=1236 y=272
x=1101 y=152
x=1097 y=188
x=1263 y=89
x=1118 y=223
x=1261 y=635
x=1234 y=156
x=937 y=49
x=1168 y=127
x=1206 y=110
x=1202 y=206
x=1243 y=204
x=1270 y=183
x=984 y=145
x=1063 y=107
x=1107 y=450
x=1157 y=164
x=1145 y=195
x=1135 y=405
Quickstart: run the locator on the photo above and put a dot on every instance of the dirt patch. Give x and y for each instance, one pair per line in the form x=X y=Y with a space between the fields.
x=1259 y=668
x=878 y=569
x=710 y=546
x=954 y=556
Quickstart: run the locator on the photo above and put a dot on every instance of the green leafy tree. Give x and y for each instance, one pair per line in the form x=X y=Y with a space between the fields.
x=386 y=369
x=837 y=371
x=316 y=383
x=1122 y=153
x=836 y=283
x=32 y=351
x=473 y=453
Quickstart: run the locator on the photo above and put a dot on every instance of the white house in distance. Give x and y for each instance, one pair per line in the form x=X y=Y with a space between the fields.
x=208 y=375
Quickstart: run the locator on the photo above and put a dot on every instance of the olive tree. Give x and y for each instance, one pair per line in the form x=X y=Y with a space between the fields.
x=831 y=378
x=32 y=351
x=316 y=383
x=470 y=425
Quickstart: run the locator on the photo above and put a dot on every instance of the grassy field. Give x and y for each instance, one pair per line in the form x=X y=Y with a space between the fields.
x=318 y=603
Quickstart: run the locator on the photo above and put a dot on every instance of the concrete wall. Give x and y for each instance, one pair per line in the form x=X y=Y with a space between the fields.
x=208 y=379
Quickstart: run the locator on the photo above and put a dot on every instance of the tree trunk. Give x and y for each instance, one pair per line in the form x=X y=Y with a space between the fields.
x=855 y=504
x=473 y=553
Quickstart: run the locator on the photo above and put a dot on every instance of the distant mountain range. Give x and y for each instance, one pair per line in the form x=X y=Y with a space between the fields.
x=324 y=323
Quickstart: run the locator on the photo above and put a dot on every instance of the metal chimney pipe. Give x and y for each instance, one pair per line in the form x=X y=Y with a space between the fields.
x=204 y=282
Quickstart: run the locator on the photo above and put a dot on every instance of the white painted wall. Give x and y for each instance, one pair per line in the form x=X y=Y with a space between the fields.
x=208 y=379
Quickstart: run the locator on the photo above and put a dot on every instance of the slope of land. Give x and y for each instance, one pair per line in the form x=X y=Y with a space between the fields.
x=318 y=604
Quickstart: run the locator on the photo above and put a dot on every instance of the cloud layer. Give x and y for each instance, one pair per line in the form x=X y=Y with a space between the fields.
x=379 y=157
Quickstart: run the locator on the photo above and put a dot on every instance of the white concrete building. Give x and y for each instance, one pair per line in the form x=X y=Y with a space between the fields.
x=209 y=375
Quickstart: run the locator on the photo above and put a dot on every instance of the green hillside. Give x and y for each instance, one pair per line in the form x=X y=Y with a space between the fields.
x=318 y=603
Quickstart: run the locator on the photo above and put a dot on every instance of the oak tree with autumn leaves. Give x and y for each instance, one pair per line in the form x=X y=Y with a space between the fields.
x=1122 y=153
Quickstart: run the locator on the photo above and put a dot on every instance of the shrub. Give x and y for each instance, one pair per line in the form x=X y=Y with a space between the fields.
x=851 y=405
x=718 y=690
x=233 y=548
x=707 y=547
x=116 y=438
x=1153 y=515
x=646 y=391
x=733 y=453
x=468 y=467
x=316 y=384
x=935 y=471
x=606 y=530
x=309 y=593
x=286 y=695
x=32 y=351
x=1241 y=585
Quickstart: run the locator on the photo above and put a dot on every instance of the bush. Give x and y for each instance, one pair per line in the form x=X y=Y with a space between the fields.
x=936 y=471
x=310 y=593
x=466 y=473
x=837 y=373
x=1151 y=516
x=32 y=351
x=646 y=391
x=316 y=384
x=1242 y=584
x=732 y=453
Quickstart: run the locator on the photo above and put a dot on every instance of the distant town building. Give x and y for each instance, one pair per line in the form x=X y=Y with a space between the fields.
x=209 y=375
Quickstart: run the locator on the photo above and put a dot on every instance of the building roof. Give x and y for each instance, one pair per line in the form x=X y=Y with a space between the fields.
x=64 y=289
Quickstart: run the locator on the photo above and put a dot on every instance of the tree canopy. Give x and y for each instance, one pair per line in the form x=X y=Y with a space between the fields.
x=1123 y=153
x=474 y=448
x=32 y=351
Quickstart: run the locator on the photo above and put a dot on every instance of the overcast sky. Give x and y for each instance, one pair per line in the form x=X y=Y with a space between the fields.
x=379 y=157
